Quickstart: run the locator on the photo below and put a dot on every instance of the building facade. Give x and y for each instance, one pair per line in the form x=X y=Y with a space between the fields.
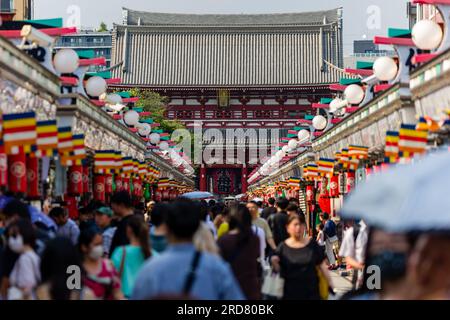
x=16 y=10
x=231 y=72
x=100 y=43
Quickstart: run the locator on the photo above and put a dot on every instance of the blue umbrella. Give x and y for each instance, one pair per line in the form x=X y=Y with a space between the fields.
x=197 y=195
x=414 y=197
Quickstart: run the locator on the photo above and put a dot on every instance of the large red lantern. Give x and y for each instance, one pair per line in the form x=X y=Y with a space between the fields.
x=158 y=195
x=86 y=184
x=334 y=187
x=172 y=195
x=108 y=183
x=99 y=187
x=33 y=178
x=118 y=182
x=126 y=184
x=17 y=173
x=310 y=197
x=165 y=194
x=137 y=187
x=3 y=169
x=71 y=203
x=350 y=178
x=75 y=187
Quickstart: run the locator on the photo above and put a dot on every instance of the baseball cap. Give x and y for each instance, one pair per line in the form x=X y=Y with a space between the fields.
x=105 y=210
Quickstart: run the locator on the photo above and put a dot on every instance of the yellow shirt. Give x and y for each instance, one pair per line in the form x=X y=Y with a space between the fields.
x=223 y=229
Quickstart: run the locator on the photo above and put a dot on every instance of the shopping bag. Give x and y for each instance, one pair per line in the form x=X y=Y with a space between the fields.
x=323 y=284
x=273 y=285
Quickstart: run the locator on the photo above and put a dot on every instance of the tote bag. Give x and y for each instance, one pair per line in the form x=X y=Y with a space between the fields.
x=273 y=285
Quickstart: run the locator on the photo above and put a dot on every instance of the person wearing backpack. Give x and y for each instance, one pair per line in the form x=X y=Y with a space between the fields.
x=353 y=249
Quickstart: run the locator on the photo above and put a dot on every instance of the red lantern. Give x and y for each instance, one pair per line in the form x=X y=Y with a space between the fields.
x=119 y=183
x=86 y=185
x=172 y=195
x=126 y=184
x=71 y=203
x=158 y=195
x=33 y=178
x=99 y=188
x=310 y=194
x=137 y=187
x=17 y=174
x=334 y=187
x=350 y=178
x=3 y=170
x=165 y=194
x=75 y=187
x=108 y=183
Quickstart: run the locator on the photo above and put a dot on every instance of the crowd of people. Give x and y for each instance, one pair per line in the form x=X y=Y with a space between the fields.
x=192 y=250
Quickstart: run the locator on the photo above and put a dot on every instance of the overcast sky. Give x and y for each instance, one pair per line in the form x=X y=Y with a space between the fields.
x=362 y=18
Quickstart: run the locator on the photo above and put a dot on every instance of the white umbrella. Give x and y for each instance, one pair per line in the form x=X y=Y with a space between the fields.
x=413 y=197
x=197 y=195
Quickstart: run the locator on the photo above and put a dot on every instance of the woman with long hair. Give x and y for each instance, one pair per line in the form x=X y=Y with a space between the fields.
x=101 y=277
x=240 y=248
x=129 y=259
x=60 y=255
x=299 y=260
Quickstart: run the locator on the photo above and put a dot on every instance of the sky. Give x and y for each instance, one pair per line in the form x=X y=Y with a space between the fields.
x=363 y=19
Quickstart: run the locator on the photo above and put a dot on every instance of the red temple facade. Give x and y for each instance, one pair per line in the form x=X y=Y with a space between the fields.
x=226 y=72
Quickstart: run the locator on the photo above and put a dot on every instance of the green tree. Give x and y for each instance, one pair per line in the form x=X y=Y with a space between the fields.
x=103 y=27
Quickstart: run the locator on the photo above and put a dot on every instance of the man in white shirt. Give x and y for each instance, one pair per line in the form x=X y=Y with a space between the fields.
x=353 y=249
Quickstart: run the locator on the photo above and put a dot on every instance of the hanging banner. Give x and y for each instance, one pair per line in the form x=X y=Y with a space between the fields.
x=17 y=174
x=158 y=195
x=86 y=184
x=3 y=168
x=75 y=186
x=119 y=183
x=350 y=179
x=33 y=178
x=334 y=187
x=126 y=184
x=108 y=183
x=71 y=203
x=310 y=197
x=99 y=187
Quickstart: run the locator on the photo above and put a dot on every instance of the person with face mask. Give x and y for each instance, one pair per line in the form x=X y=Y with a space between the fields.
x=101 y=277
x=25 y=275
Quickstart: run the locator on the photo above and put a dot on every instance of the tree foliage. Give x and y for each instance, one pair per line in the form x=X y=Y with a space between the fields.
x=103 y=27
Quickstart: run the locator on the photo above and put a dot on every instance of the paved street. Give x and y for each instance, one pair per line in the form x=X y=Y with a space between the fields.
x=341 y=284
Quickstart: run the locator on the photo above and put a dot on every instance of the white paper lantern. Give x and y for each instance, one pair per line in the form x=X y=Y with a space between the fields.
x=164 y=146
x=144 y=129
x=427 y=35
x=354 y=94
x=131 y=118
x=292 y=144
x=154 y=138
x=66 y=61
x=113 y=98
x=96 y=86
x=319 y=122
x=286 y=149
x=303 y=136
x=335 y=104
x=280 y=154
x=385 y=68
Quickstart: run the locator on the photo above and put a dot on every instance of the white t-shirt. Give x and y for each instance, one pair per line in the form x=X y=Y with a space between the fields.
x=26 y=273
x=262 y=240
x=321 y=240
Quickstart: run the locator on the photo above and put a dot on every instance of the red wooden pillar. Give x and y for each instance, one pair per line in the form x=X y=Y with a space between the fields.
x=203 y=182
x=244 y=180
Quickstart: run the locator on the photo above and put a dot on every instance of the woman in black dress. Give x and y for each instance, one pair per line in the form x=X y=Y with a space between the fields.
x=297 y=259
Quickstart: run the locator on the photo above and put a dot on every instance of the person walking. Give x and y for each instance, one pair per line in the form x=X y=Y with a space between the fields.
x=121 y=204
x=182 y=271
x=267 y=212
x=158 y=231
x=261 y=223
x=129 y=259
x=101 y=277
x=103 y=217
x=240 y=248
x=25 y=275
x=299 y=259
x=66 y=226
x=279 y=220
x=331 y=240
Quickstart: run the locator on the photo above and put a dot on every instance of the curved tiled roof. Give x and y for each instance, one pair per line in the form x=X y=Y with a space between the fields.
x=133 y=17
